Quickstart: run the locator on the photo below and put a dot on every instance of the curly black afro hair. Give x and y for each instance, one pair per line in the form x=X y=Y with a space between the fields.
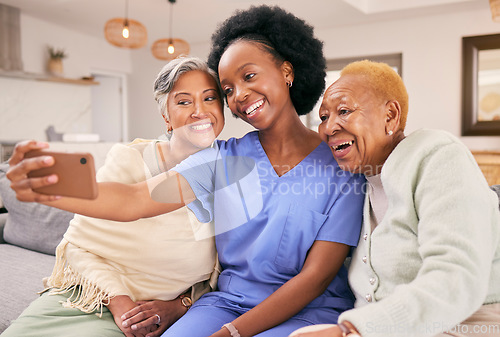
x=292 y=38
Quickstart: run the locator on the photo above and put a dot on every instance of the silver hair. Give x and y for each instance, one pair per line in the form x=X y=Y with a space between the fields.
x=171 y=72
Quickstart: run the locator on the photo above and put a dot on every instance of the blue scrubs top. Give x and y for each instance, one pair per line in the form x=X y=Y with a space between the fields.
x=266 y=224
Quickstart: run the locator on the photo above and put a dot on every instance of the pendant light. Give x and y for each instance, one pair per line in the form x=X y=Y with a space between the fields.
x=125 y=32
x=169 y=49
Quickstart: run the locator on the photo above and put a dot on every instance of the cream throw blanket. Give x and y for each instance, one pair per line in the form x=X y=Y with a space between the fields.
x=153 y=258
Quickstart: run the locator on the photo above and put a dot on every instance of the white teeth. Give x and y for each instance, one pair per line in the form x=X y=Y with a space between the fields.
x=201 y=126
x=254 y=107
x=345 y=144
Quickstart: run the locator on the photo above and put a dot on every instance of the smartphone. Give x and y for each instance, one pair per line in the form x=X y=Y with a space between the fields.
x=76 y=172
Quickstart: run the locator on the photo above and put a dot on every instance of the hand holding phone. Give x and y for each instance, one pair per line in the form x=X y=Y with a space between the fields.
x=75 y=171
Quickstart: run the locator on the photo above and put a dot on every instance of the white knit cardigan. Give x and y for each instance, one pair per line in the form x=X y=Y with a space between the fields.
x=434 y=258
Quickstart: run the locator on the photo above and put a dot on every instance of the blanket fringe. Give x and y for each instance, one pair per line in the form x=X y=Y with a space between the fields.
x=85 y=295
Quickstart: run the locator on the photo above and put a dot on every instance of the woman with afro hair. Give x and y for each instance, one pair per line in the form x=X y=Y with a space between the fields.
x=285 y=215
x=285 y=229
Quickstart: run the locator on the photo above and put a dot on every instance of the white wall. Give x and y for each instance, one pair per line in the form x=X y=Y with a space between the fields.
x=84 y=52
x=28 y=107
x=145 y=120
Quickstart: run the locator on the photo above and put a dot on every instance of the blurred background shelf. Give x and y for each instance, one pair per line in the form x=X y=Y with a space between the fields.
x=41 y=77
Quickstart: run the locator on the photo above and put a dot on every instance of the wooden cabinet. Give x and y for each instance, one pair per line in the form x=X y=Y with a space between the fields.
x=489 y=162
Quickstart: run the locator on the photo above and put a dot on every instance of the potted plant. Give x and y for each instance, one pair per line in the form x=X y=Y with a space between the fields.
x=55 y=65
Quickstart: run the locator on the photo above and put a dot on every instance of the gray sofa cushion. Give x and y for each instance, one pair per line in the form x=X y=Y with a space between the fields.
x=3 y=220
x=21 y=277
x=496 y=188
x=30 y=225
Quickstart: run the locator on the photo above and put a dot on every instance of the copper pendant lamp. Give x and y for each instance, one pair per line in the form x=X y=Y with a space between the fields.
x=169 y=49
x=125 y=32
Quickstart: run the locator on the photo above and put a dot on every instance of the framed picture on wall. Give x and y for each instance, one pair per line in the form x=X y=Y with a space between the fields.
x=333 y=68
x=481 y=85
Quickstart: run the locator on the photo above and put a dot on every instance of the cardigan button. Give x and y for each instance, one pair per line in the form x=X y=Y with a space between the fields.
x=368 y=297
x=365 y=259
x=365 y=237
x=372 y=280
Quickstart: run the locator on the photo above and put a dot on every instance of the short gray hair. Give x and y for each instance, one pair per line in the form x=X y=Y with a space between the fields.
x=171 y=72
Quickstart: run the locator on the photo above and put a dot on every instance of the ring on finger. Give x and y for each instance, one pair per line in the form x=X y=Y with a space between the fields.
x=159 y=319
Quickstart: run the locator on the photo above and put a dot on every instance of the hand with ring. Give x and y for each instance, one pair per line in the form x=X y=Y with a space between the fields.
x=155 y=315
x=120 y=304
x=159 y=319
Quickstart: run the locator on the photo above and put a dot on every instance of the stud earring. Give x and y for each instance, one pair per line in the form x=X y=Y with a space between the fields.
x=390 y=133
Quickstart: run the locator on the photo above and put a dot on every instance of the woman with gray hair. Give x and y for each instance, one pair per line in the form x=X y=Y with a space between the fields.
x=168 y=76
x=137 y=278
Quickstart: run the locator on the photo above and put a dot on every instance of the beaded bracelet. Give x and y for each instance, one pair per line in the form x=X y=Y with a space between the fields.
x=232 y=330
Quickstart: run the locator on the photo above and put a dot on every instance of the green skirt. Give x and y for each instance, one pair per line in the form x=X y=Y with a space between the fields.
x=47 y=317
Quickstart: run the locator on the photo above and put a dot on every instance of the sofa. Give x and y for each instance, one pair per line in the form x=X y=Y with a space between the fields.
x=29 y=234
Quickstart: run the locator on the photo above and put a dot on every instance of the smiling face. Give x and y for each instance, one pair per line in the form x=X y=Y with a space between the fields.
x=255 y=84
x=195 y=110
x=354 y=124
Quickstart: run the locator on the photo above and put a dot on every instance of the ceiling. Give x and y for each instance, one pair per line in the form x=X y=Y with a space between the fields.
x=195 y=20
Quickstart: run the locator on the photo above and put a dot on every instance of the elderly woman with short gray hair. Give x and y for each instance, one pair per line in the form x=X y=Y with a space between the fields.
x=428 y=260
